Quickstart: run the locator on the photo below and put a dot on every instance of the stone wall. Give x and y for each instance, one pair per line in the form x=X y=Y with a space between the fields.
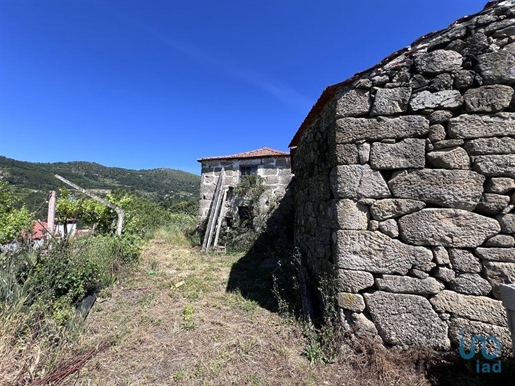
x=405 y=186
x=275 y=172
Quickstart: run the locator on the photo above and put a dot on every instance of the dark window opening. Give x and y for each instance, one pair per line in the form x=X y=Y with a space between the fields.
x=248 y=170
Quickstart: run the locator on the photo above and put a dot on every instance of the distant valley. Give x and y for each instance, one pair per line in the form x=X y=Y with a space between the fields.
x=32 y=181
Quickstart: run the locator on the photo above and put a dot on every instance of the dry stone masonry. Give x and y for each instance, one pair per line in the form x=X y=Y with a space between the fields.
x=273 y=168
x=405 y=186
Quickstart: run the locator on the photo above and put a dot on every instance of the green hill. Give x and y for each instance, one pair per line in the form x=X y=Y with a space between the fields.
x=33 y=181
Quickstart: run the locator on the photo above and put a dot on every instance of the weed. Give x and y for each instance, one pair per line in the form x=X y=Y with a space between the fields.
x=187 y=317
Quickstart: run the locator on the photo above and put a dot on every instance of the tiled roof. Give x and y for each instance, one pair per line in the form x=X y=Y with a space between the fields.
x=259 y=153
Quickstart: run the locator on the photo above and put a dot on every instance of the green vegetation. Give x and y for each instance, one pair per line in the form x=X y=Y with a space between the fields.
x=12 y=220
x=174 y=189
x=41 y=287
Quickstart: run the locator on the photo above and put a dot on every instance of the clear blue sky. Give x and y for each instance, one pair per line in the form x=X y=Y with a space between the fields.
x=148 y=84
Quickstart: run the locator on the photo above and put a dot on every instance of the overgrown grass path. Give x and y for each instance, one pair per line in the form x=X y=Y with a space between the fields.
x=174 y=322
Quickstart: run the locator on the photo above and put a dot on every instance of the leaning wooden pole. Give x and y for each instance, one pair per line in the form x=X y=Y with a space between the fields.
x=213 y=212
x=119 y=211
x=219 y=223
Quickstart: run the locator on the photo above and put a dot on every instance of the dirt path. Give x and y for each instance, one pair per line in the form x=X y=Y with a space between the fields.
x=174 y=322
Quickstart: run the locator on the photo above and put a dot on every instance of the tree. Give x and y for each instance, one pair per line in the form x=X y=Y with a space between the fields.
x=12 y=220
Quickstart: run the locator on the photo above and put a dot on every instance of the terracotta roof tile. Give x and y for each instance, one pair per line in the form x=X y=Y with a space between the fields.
x=259 y=153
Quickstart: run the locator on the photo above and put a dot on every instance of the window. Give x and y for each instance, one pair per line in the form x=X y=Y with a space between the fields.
x=247 y=170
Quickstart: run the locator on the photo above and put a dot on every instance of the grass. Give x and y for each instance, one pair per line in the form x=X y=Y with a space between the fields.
x=212 y=320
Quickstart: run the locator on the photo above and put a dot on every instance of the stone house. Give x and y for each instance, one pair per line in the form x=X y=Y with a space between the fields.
x=404 y=187
x=273 y=168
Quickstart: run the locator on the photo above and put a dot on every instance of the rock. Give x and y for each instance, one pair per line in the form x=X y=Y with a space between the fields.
x=475 y=126
x=448 y=143
x=497 y=254
x=447 y=99
x=492 y=203
x=420 y=325
x=464 y=79
x=351 y=302
x=441 y=256
x=495 y=165
x=494 y=145
x=366 y=201
x=418 y=81
x=497 y=272
x=496 y=26
x=373 y=225
x=380 y=80
x=464 y=261
x=408 y=153
x=363 y=152
x=363 y=326
x=497 y=67
x=445 y=274
x=354 y=281
x=353 y=103
x=418 y=273
x=507 y=222
x=363 y=83
x=460 y=189
x=465 y=330
x=377 y=253
x=479 y=308
x=389 y=101
x=436 y=132
x=471 y=284
x=409 y=285
x=350 y=130
x=394 y=207
x=487 y=99
x=351 y=215
x=389 y=228
x=499 y=185
x=447 y=227
x=455 y=158
x=503 y=241
x=438 y=61
x=357 y=181
x=439 y=116
x=346 y=154
x=441 y=82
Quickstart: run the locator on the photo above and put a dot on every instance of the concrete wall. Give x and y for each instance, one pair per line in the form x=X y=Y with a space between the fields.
x=405 y=184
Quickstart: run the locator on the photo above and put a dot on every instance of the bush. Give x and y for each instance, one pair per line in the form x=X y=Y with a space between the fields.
x=52 y=280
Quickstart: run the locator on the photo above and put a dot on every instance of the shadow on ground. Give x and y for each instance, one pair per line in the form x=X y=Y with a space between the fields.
x=450 y=369
x=264 y=273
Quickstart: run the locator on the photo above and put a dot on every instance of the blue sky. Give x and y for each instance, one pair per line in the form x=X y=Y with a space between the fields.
x=148 y=84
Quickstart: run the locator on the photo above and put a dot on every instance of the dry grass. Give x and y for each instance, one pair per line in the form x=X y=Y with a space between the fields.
x=171 y=320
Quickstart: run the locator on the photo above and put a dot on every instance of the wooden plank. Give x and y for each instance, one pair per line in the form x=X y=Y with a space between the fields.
x=216 y=213
x=212 y=211
x=220 y=217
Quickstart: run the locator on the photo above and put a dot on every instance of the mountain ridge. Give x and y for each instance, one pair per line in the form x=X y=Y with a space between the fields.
x=33 y=180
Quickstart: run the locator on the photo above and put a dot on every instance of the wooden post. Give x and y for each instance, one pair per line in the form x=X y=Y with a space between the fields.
x=119 y=211
x=219 y=223
x=51 y=214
